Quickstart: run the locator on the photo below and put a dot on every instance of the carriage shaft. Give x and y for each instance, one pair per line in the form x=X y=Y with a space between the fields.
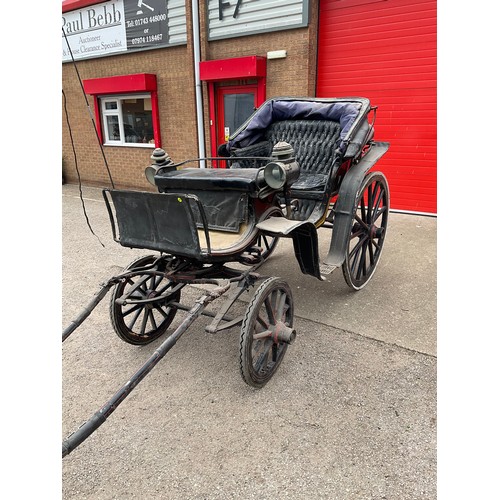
x=91 y=425
x=86 y=312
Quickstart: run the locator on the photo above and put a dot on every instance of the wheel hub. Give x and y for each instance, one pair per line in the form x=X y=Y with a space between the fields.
x=375 y=232
x=150 y=294
x=281 y=332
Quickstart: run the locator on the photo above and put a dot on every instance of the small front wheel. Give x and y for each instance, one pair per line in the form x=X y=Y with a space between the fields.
x=266 y=331
x=141 y=323
x=368 y=230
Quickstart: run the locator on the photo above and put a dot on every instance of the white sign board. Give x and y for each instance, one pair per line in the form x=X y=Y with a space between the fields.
x=122 y=25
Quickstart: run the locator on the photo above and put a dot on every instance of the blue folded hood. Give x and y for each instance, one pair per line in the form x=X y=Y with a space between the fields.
x=274 y=110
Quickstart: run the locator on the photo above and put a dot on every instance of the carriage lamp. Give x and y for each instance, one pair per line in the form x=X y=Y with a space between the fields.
x=283 y=169
x=160 y=161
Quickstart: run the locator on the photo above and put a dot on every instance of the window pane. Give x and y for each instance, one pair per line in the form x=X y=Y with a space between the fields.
x=113 y=127
x=138 y=120
x=111 y=105
x=237 y=108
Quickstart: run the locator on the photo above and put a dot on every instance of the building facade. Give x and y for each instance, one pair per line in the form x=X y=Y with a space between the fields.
x=184 y=74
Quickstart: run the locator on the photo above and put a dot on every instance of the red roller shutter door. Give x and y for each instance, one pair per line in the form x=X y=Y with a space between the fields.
x=386 y=50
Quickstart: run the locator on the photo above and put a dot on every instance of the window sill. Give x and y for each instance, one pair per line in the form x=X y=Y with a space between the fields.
x=130 y=145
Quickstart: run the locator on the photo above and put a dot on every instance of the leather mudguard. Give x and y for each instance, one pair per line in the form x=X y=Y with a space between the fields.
x=345 y=207
x=305 y=241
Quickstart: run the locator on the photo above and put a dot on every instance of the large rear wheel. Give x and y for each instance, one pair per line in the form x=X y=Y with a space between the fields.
x=368 y=230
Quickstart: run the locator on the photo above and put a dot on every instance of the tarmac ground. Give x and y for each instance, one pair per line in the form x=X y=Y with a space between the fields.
x=350 y=414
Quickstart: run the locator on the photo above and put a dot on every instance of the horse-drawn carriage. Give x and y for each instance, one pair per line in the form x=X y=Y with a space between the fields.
x=294 y=166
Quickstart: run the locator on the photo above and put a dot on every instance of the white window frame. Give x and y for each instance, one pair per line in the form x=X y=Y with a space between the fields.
x=118 y=112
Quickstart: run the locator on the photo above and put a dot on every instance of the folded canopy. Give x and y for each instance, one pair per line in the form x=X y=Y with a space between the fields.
x=343 y=111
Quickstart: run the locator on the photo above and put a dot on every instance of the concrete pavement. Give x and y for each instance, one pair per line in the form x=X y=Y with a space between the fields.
x=350 y=414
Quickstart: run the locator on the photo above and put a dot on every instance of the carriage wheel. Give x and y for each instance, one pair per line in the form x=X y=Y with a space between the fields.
x=369 y=227
x=267 y=243
x=140 y=324
x=266 y=331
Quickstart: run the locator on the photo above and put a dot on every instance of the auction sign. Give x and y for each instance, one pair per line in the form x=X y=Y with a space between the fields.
x=122 y=26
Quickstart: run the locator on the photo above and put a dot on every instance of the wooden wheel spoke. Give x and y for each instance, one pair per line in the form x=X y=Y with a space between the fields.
x=135 y=318
x=261 y=361
x=152 y=283
x=163 y=288
x=285 y=312
x=152 y=319
x=379 y=212
x=131 y=310
x=359 y=255
x=144 y=322
x=362 y=209
x=355 y=260
x=362 y=222
x=355 y=250
x=262 y=322
x=262 y=335
x=371 y=253
x=160 y=310
x=378 y=201
x=270 y=311
x=362 y=263
x=280 y=306
x=369 y=204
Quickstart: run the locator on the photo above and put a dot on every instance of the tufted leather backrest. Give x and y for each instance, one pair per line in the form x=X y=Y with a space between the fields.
x=314 y=142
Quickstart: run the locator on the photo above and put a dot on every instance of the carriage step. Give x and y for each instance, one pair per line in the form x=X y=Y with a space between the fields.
x=251 y=256
x=326 y=269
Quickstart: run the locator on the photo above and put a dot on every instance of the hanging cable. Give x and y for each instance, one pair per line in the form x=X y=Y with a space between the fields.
x=77 y=171
x=89 y=110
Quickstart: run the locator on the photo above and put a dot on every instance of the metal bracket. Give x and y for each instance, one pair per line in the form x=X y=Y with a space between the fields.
x=233 y=296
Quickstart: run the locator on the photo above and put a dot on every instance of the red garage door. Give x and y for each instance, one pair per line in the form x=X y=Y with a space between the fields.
x=386 y=50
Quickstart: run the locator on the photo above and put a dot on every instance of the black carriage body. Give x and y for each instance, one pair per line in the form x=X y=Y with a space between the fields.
x=224 y=212
x=206 y=215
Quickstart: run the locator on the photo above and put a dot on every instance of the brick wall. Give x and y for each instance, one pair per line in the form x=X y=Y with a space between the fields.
x=176 y=102
x=173 y=67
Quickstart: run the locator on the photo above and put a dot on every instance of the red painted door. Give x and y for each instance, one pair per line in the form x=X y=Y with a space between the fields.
x=234 y=105
x=386 y=50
